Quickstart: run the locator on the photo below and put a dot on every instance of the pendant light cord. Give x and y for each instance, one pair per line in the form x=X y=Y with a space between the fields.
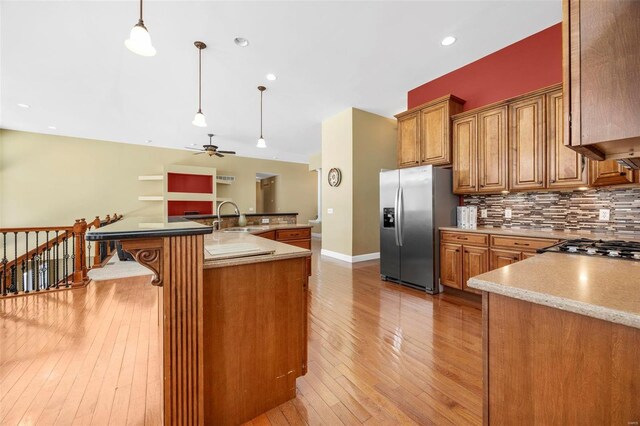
x=199 y=80
x=140 y=21
x=261 y=92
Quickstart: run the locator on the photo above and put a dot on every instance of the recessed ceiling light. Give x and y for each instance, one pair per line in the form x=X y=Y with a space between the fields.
x=242 y=42
x=52 y=127
x=448 y=41
x=24 y=106
x=271 y=77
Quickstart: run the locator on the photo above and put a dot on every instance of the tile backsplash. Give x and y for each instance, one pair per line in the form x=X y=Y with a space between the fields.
x=577 y=210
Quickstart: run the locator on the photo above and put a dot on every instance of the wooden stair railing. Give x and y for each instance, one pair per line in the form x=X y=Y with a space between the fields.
x=61 y=261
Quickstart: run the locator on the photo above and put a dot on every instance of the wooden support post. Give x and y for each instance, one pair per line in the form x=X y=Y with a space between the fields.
x=97 y=261
x=80 y=264
x=177 y=265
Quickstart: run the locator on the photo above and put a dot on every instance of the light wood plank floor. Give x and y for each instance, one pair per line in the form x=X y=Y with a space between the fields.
x=378 y=354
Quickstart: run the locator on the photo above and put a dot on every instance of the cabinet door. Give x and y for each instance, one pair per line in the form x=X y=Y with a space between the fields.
x=435 y=143
x=609 y=172
x=526 y=255
x=492 y=150
x=475 y=262
x=451 y=265
x=500 y=258
x=465 y=158
x=526 y=144
x=602 y=67
x=565 y=167
x=408 y=145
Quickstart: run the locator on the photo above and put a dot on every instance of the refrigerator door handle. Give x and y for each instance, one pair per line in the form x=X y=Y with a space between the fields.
x=397 y=225
x=400 y=216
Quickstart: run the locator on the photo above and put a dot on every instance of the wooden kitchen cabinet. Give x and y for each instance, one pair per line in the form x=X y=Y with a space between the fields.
x=566 y=168
x=602 y=76
x=527 y=144
x=475 y=261
x=408 y=140
x=502 y=257
x=492 y=150
x=424 y=133
x=609 y=172
x=465 y=156
x=451 y=265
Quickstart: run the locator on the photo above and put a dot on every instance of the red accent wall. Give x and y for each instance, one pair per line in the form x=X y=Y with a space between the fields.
x=527 y=65
x=182 y=182
x=177 y=208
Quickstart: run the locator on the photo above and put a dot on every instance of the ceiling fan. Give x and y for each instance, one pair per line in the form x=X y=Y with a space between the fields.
x=210 y=149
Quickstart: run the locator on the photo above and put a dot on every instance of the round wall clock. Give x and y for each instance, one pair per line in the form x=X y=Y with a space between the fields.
x=335 y=177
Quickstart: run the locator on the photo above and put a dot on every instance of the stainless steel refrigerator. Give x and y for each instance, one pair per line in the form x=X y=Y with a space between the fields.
x=414 y=202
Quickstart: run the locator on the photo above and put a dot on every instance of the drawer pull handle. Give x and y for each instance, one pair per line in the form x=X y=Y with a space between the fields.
x=463 y=238
x=520 y=244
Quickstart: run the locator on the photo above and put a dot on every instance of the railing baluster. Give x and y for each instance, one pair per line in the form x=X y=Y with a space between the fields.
x=35 y=267
x=25 y=265
x=57 y=264
x=14 y=270
x=47 y=260
x=66 y=258
x=3 y=285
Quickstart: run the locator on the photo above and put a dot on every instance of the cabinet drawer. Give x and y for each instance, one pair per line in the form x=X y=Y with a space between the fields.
x=466 y=238
x=305 y=244
x=270 y=235
x=293 y=234
x=521 y=243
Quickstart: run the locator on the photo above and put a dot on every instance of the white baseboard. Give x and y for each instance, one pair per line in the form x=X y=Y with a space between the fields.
x=316 y=235
x=350 y=259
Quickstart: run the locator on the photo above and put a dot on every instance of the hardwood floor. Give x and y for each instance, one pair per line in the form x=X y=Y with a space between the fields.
x=378 y=354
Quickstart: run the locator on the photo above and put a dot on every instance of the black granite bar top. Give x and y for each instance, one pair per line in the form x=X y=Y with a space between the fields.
x=213 y=216
x=145 y=227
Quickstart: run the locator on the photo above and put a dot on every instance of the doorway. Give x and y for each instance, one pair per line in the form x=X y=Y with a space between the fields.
x=267 y=192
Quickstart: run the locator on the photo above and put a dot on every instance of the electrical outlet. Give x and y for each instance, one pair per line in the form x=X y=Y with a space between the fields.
x=604 y=214
x=483 y=213
x=507 y=213
x=265 y=221
x=329 y=211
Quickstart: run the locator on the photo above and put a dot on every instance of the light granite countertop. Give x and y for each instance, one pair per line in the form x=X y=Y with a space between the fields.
x=280 y=250
x=607 y=289
x=544 y=233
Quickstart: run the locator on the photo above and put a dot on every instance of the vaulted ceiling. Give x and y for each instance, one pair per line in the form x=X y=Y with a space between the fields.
x=67 y=60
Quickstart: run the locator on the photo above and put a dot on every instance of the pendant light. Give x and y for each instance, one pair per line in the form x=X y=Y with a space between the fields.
x=261 y=143
x=139 y=40
x=199 y=120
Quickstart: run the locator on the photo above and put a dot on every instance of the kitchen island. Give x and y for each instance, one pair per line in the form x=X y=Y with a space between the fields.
x=233 y=311
x=561 y=341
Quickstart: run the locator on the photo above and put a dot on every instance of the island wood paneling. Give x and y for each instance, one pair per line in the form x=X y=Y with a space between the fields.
x=552 y=367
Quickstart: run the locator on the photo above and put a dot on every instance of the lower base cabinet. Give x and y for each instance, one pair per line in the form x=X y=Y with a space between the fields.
x=299 y=237
x=464 y=255
x=475 y=261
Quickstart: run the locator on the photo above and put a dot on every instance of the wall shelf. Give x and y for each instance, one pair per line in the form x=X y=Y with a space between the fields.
x=187 y=196
x=151 y=177
x=150 y=198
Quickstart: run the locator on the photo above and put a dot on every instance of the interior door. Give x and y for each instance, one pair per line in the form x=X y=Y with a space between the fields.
x=389 y=250
x=416 y=227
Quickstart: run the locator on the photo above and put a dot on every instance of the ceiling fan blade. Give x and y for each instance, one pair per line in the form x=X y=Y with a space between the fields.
x=198 y=153
x=193 y=149
x=219 y=155
x=227 y=152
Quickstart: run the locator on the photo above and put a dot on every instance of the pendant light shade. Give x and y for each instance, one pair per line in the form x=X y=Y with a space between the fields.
x=261 y=142
x=199 y=119
x=139 y=40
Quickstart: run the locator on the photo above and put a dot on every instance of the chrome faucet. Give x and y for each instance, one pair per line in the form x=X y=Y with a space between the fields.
x=219 y=221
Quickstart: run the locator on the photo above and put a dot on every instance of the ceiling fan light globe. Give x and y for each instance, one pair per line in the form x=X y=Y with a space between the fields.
x=139 y=41
x=199 y=120
x=261 y=143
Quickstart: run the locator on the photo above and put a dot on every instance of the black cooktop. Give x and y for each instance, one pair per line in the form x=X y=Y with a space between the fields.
x=611 y=248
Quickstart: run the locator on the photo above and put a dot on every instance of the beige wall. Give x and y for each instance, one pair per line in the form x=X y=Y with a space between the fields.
x=359 y=143
x=315 y=161
x=337 y=143
x=50 y=180
x=374 y=147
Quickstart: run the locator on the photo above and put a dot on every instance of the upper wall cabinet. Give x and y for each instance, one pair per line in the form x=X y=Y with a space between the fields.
x=565 y=167
x=601 y=77
x=424 y=133
x=480 y=151
x=408 y=140
x=527 y=144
